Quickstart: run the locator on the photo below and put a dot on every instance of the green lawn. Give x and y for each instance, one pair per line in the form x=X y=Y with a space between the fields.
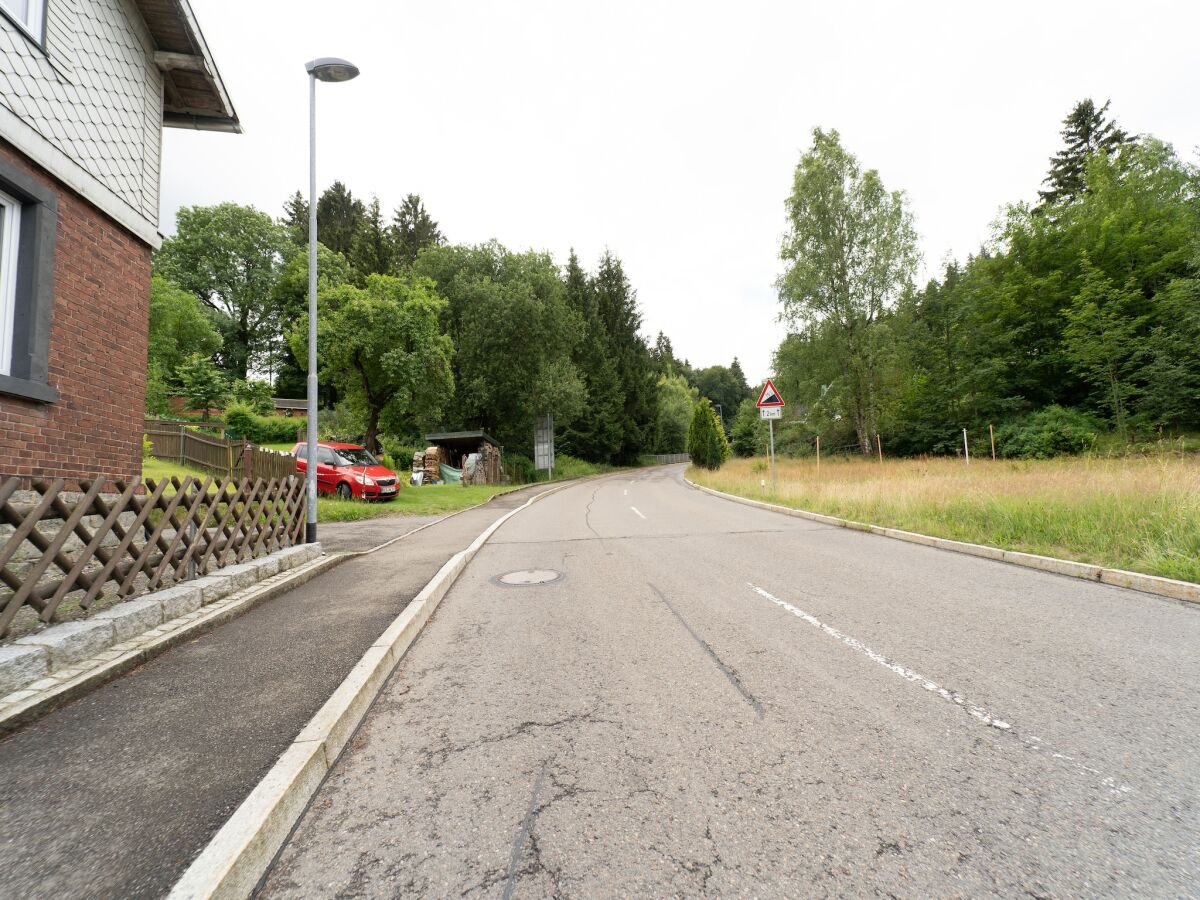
x=428 y=500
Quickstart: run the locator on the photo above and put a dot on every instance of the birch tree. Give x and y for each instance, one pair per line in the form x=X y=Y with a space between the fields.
x=850 y=250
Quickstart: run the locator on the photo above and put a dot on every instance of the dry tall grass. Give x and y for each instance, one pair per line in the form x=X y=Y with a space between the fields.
x=1138 y=514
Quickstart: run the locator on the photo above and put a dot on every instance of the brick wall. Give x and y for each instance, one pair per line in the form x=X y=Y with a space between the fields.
x=97 y=351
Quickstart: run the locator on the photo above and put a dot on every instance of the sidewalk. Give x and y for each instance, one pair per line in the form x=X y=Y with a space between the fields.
x=115 y=794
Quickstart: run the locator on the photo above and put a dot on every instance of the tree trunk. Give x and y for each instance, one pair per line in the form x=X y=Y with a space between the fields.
x=372 y=427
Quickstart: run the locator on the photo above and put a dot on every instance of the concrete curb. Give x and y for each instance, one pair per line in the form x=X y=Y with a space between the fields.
x=123 y=657
x=240 y=853
x=1147 y=584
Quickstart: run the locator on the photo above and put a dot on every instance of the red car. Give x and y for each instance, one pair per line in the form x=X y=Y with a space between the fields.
x=349 y=471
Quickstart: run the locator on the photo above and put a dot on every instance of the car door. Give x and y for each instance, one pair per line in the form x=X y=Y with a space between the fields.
x=327 y=475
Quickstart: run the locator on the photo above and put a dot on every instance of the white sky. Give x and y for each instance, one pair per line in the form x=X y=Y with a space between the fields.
x=668 y=132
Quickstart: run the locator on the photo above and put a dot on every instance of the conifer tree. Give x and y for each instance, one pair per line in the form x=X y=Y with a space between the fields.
x=596 y=434
x=1087 y=130
x=295 y=219
x=341 y=218
x=617 y=309
x=413 y=230
x=373 y=248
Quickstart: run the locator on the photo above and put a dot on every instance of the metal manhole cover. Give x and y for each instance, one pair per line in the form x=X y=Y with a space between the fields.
x=526 y=577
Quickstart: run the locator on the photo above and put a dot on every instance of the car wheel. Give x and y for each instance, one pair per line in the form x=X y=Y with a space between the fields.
x=344 y=492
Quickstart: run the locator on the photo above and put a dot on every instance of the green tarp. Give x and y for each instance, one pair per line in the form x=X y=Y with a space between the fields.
x=450 y=475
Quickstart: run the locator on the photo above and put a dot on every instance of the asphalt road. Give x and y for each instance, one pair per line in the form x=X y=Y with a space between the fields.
x=719 y=700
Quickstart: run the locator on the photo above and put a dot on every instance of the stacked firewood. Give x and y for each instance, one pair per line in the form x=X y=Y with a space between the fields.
x=433 y=459
x=487 y=470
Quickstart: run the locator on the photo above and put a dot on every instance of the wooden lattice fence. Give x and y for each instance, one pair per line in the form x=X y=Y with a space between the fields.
x=57 y=545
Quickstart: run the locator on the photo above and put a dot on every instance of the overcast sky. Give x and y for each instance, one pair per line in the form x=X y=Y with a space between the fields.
x=668 y=132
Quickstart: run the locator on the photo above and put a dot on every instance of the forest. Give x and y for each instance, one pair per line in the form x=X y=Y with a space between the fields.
x=414 y=334
x=1076 y=325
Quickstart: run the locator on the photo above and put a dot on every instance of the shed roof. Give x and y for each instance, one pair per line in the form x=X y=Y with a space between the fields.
x=461 y=440
x=194 y=95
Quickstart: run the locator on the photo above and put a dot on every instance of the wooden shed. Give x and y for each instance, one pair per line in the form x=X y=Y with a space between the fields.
x=472 y=456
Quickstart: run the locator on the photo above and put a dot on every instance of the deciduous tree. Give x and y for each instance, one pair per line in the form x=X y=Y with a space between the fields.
x=383 y=347
x=850 y=251
x=229 y=256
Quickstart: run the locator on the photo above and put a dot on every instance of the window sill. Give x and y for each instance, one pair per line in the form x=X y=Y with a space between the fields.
x=27 y=390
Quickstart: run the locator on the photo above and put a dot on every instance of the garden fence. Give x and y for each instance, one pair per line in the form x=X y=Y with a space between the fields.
x=180 y=442
x=58 y=545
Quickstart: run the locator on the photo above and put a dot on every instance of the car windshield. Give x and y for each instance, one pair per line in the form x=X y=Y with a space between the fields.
x=356 y=457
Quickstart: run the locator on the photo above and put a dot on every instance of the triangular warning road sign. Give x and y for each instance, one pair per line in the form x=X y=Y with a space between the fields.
x=769 y=396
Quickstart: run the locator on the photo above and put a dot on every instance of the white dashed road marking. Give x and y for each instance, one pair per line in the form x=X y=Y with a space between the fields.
x=976 y=712
x=636 y=510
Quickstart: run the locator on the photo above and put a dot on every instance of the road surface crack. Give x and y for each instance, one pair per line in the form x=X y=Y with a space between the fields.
x=728 y=671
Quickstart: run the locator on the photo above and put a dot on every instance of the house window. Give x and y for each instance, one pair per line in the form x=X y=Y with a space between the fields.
x=28 y=225
x=29 y=14
x=10 y=249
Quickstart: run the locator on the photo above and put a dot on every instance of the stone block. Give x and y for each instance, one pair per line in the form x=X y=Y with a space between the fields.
x=266 y=566
x=179 y=600
x=72 y=642
x=131 y=618
x=243 y=575
x=213 y=588
x=21 y=665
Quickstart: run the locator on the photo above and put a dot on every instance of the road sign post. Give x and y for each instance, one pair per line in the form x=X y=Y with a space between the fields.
x=770 y=407
x=543 y=445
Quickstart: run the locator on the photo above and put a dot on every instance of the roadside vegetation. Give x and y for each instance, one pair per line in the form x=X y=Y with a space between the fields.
x=1135 y=513
x=1076 y=326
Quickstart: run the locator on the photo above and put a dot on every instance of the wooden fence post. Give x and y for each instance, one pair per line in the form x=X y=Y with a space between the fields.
x=818 y=456
x=879 y=447
x=992 y=435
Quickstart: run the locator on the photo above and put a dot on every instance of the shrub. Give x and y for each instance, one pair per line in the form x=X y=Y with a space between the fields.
x=244 y=422
x=147 y=447
x=519 y=468
x=1053 y=431
x=706 y=437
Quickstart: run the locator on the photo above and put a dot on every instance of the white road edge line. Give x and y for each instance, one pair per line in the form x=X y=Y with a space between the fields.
x=636 y=510
x=977 y=712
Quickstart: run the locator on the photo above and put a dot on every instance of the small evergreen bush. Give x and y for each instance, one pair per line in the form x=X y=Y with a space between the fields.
x=1049 y=432
x=706 y=444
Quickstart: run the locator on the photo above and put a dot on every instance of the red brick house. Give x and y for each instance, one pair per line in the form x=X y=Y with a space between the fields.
x=86 y=87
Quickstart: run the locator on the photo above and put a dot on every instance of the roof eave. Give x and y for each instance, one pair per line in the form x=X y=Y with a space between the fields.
x=218 y=113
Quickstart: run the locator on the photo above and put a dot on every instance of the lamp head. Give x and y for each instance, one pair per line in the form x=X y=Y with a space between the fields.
x=330 y=68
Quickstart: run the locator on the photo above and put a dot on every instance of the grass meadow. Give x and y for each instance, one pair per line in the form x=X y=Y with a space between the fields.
x=1140 y=514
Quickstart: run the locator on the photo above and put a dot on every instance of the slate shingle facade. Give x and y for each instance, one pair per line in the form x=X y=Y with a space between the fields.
x=81 y=115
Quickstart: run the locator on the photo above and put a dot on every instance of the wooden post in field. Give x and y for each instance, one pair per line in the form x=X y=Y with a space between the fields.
x=818 y=456
x=992 y=435
x=966 y=449
x=879 y=448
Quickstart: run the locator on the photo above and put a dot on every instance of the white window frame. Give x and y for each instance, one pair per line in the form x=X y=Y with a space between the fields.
x=10 y=254
x=35 y=25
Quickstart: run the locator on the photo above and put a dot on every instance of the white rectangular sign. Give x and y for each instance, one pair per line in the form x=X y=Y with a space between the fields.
x=543 y=443
x=771 y=412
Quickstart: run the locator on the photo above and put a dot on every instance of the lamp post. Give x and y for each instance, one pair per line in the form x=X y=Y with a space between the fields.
x=327 y=68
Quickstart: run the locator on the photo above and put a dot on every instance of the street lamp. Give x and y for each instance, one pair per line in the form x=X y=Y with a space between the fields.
x=327 y=68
